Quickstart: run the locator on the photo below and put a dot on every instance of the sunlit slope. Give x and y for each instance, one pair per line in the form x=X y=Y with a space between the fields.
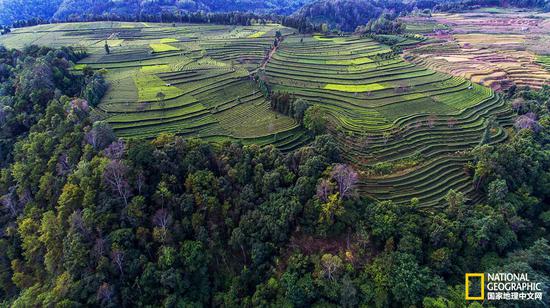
x=191 y=80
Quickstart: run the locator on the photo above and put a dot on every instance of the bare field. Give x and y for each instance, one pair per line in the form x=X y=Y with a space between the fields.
x=496 y=49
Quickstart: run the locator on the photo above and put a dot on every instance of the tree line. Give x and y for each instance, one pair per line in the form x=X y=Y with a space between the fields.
x=232 y=18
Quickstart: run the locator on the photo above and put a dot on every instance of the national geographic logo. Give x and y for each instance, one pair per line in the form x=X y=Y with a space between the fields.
x=502 y=286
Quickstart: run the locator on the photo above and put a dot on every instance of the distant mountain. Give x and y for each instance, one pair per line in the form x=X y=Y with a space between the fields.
x=464 y=5
x=348 y=14
x=343 y=14
x=13 y=10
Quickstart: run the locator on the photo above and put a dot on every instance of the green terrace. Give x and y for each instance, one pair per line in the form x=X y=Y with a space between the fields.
x=418 y=123
x=406 y=128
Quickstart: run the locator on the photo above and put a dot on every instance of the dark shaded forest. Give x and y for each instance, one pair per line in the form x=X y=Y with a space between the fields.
x=91 y=220
x=347 y=15
x=305 y=15
x=60 y=10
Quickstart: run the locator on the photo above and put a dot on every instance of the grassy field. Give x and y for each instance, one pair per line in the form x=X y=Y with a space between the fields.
x=354 y=88
x=149 y=86
x=162 y=47
x=257 y=34
x=544 y=61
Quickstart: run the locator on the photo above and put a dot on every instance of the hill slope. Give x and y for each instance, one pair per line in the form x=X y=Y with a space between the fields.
x=348 y=14
x=12 y=10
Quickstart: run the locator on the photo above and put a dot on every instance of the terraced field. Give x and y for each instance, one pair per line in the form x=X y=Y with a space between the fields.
x=498 y=50
x=496 y=69
x=544 y=61
x=191 y=80
x=406 y=127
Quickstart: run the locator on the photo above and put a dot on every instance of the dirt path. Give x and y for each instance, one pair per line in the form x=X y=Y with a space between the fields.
x=271 y=53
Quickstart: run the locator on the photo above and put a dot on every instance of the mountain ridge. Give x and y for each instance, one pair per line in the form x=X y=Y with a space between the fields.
x=14 y=10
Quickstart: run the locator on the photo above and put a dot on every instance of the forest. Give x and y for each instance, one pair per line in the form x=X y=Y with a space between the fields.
x=17 y=10
x=343 y=15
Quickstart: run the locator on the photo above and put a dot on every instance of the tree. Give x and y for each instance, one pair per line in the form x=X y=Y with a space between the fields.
x=455 y=199
x=162 y=220
x=324 y=189
x=314 y=120
x=346 y=178
x=454 y=298
x=331 y=209
x=95 y=89
x=117 y=257
x=497 y=191
x=115 y=150
x=51 y=236
x=299 y=107
x=331 y=266
x=160 y=97
x=528 y=121
x=9 y=202
x=410 y=281
x=115 y=176
x=348 y=293
x=486 y=137
x=105 y=294
x=101 y=135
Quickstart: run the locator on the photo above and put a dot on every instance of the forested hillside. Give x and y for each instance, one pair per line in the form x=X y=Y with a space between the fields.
x=13 y=10
x=344 y=15
x=348 y=14
x=91 y=220
x=464 y=5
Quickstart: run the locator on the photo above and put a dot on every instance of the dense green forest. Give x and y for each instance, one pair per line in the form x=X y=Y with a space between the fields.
x=348 y=14
x=14 y=10
x=344 y=15
x=88 y=219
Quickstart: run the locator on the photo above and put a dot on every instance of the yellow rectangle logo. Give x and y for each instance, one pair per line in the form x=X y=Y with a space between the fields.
x=482 y=286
